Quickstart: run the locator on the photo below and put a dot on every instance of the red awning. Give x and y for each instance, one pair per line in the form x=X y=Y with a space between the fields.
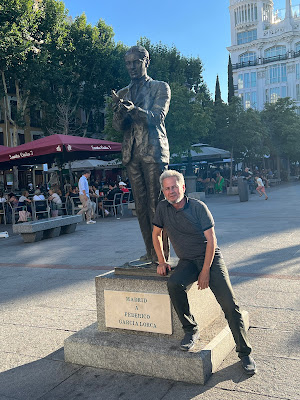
x=47 y=148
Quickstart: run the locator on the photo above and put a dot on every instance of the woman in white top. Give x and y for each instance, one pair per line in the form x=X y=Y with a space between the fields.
x=38 y=195
x=55 y=202
x=54 y=197
x=2 y=198
x=261 y=187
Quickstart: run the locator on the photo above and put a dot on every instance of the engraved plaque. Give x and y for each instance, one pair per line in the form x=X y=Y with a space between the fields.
x=148 y=312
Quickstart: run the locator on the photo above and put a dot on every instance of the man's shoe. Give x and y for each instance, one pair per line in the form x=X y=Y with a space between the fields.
x=91 y=222
x=189 y=340
x=248 y=365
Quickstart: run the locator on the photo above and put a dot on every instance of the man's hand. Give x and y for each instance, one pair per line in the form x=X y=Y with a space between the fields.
x=203 y=280
x=163 y=269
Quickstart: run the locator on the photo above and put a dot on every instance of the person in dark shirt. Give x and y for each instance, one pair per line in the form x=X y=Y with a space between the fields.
x=113 y=189
x=190 y=227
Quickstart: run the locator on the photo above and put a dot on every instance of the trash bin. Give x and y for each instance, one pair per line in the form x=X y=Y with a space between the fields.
x=243 y=189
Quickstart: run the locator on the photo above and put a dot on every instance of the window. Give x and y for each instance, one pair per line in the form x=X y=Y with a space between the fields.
x=267 y=96
x=13 y=109
x=276 y=73
x=253 y=100
x=35 y=117
x=241 y=81
x=36 y=137
x=246 y=37
x=297 y=48
x=297 y=71
x=253 y=79
x=298 y=92
x=241 y=96
x=247 y=57
x=246 y=80
x=283 y=91
x=2 y=138
x=275 y=51
x=274 y=94
x=21 y=138
x=247 y=100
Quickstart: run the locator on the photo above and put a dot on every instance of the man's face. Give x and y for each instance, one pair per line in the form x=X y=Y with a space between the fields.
x=173 y=191
x=136 y=65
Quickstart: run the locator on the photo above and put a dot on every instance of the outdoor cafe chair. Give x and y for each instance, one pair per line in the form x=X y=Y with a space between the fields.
x=115 y=204
x=14 y=212
x=40 y=207
x=3 y=211
x=76 y=205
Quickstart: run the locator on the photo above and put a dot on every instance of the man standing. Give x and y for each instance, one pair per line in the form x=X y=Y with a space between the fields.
x=190 y=227
x=84 y=196
x=139 y=112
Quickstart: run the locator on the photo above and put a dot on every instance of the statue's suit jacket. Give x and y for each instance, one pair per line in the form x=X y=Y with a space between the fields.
x=146 y=126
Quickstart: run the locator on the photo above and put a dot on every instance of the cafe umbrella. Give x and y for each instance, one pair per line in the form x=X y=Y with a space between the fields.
x=57 y=147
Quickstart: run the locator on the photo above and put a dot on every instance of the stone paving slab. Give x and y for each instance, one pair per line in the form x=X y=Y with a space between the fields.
x=95 y=384
x=31 y=341
x=55 y=318
x=278 y=319
x=278 y=377
x=34 y=379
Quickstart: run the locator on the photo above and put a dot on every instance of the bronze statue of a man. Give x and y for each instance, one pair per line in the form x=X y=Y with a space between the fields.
x=140 y=110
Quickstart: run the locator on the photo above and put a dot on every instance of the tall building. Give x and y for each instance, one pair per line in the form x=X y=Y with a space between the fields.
x=265 y=51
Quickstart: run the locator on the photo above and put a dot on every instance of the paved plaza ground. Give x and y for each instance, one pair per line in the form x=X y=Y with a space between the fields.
x=47 y=293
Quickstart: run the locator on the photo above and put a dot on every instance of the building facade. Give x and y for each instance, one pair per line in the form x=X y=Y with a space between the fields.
x=265 y=51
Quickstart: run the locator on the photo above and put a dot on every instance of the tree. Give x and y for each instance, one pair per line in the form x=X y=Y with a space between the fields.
x=230 y=81
x=282 y=125
x=217 y=91
x=25 y=28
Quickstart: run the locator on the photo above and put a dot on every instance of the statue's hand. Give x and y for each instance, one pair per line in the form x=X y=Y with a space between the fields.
x=126 y=105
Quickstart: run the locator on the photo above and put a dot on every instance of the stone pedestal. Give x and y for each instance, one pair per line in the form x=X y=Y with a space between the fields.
x=190 y=184
x=118 y=343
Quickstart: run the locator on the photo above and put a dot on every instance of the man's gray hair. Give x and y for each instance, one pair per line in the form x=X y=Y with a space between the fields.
x=171 y=173
x=140 y=50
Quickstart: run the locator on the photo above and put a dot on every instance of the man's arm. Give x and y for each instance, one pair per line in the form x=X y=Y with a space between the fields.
x=163 y=267
x=203 y=279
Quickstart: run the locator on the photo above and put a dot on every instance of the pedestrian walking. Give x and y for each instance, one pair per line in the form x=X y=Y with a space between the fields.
x=84 y=196
x=261 y=187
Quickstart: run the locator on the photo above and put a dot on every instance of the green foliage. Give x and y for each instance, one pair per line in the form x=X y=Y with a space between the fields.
x=230 y=81
x=282 y=124
x=188 y=120
x=218 y=90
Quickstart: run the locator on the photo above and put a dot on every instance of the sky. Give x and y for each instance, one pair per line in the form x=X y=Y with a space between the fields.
x=198 y=28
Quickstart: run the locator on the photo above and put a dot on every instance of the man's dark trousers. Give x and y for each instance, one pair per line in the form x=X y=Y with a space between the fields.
x=186 y=273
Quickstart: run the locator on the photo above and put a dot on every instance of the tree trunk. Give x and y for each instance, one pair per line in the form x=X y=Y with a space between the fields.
x=278 y=166
x=70 y=173
x=231 y=166
x=16 y=178
x=288 y=169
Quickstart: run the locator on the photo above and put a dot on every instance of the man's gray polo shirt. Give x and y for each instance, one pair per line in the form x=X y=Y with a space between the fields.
x=185 y=227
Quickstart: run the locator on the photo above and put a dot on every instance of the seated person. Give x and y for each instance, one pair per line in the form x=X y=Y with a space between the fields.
x=2 y=198
x=56 y=203
x=122 y=186
x=38 y=195
x=219 y=183
x=24 y=200
x=113 y=189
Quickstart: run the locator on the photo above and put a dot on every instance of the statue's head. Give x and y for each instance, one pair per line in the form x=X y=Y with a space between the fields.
x=137 y=61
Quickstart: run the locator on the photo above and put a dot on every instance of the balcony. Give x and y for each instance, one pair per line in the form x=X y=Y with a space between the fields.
x=244 y=64
x=275 y=58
